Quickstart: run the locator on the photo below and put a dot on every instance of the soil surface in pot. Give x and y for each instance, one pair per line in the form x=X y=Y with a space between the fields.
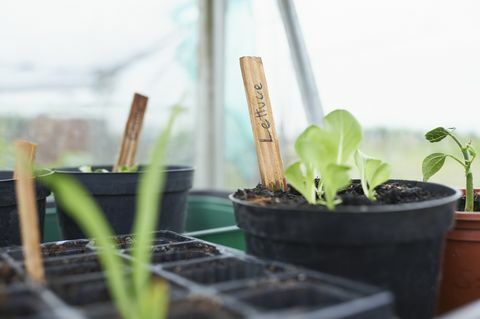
x=476 y=203
x=387 y=194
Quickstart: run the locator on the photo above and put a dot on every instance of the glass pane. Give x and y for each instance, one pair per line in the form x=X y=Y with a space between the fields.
x=68 y=72
x=255 y=28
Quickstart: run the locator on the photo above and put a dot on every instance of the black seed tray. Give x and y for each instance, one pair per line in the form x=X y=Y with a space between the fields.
x=206 y=281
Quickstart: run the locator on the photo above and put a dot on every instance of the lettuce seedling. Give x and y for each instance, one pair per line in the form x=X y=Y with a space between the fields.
x=434 y=162
x=373 y=173
x=148 y=299
x=121 y=169
x=325 y=153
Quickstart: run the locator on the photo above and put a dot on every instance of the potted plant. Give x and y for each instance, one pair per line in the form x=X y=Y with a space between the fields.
x=114 y=187
x=460 y=274
x=116 y=193
x=384 y=232
x=9 y=223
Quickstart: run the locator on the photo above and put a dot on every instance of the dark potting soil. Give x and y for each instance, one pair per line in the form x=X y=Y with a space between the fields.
x=387 y=194
x=476 y=203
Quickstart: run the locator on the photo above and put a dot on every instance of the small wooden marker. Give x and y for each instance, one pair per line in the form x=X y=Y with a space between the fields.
x=128 y=148
x=28 y=150
x=263 y=126
x=27 y=209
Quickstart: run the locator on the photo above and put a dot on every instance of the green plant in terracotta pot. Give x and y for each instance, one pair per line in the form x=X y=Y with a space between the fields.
x=385 y=232
x=462 y=248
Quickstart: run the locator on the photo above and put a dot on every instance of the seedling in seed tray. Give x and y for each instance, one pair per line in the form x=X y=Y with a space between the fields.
x=326 y=153
x=434 y=162
x=135 y=297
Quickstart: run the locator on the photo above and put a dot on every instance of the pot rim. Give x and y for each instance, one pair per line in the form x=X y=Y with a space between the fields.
x=43 y=172
x=74 y=169
x=472 y=216
x=355 y=209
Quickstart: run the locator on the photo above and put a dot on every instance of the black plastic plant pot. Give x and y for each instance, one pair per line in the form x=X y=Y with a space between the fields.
x=9 y=222
x=116 y=194
x=397 y=247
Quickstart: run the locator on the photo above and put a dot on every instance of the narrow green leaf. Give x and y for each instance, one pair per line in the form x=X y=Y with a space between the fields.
x=149 y=196
x=78 y=203
x=437 y=134
x=432 y=164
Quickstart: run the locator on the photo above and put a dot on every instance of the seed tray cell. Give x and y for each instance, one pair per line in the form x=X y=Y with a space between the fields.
x=8 y=275
x=83 y=291
x=188 y=308
x=223 y=269
x=182 y=251
x=21 y=304
x=161 y=238
x=201 y=308
x=65 y=248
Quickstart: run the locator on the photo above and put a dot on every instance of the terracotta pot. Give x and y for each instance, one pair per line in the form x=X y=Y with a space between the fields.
x=460 y=282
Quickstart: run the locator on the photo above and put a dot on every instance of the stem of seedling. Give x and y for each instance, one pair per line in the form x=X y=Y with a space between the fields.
x=469 y=192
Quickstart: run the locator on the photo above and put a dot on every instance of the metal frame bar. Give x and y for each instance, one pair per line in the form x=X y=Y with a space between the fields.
x=210 y=114
x=301 y=62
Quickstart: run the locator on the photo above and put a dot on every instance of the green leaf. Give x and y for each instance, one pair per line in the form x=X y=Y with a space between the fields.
x=437 y=134
x=127 y=169
x=79 y=205
x=373 y=172
x=336 y=180
x=302 y=180
x=149 y=196
x=85 y=169
x=381 y=175
x=432 y=164
x=346 y=134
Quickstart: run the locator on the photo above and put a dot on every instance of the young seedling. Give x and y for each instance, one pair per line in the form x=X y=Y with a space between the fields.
x=120 y=169
x=136 y=297
x=373 y=173
x=434 y=162
x=325 y=153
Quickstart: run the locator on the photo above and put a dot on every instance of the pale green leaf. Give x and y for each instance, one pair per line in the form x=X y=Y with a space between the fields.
x=85 y=169
x=381 y=175
x=373 y=172
x=346 y=132
x=336 y=180
x=432 y=164
x=298 y=177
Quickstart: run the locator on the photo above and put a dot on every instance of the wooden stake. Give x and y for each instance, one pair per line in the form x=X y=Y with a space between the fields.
x=28 y=150
x=128 y=148
x=263 y=126
x=27 y=209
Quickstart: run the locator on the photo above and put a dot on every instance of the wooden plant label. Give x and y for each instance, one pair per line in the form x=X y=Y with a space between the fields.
x=27 y=209
x=263 y=126
x=28 y=150
x=128 y=148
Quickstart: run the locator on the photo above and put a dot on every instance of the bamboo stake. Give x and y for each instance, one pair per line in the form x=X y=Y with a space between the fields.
x=28 y=150
x=27 y=209
x=263 y=126
x=128 y=148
